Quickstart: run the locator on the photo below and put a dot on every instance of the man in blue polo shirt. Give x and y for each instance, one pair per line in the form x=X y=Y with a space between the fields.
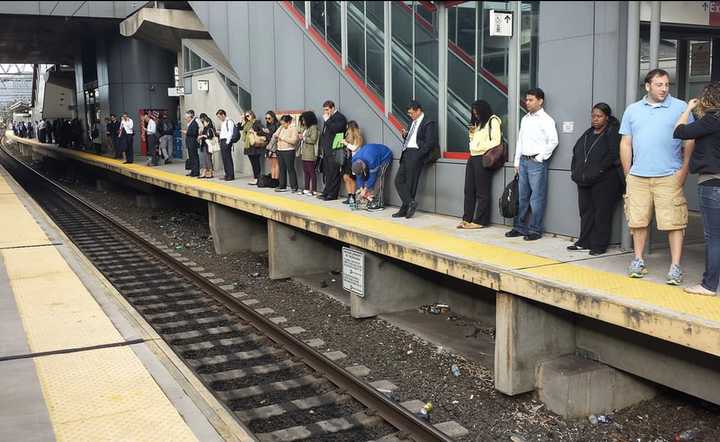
x=656 y=167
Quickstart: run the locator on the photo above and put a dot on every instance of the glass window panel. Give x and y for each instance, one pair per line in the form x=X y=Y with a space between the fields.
x=356 y=37
x=376 y=59
x=317 y=16
x=300 y=6
x=452 y=25
x=402 y=62
x=376 y=13
x=195 y=61
x=333 y=24
x=234 y=89
x=528 y=45
x=204 y=64
x=466 y=28
x=461 y=76
x=186 y=58
x=494 y=50
x=426 y=61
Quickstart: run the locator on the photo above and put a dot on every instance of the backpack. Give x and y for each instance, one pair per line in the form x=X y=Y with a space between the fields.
x=166 y=127
x=267 y=181
x=509 y=201
x=235 y=137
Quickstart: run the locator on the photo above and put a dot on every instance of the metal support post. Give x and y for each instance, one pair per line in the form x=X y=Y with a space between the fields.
x=387 y=54
x=308 y=7
x=631 y=84
x=654 y=33
x=442 y=17
x=514 y=76
x=344 y=34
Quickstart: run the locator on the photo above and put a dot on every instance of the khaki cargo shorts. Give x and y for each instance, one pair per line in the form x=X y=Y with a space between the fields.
x=664 y=194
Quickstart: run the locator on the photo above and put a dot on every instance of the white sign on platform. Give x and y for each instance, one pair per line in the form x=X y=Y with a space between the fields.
x=568 y=127
x=501 y=23
x=353 y=271
x=176 y=91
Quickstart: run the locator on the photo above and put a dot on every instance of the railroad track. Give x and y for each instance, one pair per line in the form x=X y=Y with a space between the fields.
x=274 y=383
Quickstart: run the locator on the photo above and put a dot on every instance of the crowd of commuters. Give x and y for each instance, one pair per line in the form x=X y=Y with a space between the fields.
x=645 y=159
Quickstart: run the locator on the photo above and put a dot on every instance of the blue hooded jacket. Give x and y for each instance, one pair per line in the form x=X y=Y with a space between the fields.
x=374 y=156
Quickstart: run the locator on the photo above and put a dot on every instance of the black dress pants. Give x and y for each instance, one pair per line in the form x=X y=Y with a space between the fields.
x=193 y=156
x=129 y=148
x=227 y=159
x=287 y=168
x=408 y=176
x=152 y=149
x=331 y=173
x=597 y=206
x=477 y=191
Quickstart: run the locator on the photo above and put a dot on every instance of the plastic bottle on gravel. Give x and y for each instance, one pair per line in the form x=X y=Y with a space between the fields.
x=455 y=370
x=686 y=435
x=425 y=411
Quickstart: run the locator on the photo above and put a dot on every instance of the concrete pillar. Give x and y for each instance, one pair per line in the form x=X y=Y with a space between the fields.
x=393 y=286
x=678 y=367
x=575 y=387
x=526 y=334
x=234 y=231
x=293 y=252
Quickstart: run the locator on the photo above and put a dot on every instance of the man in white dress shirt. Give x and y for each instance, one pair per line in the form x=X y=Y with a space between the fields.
x=126 y=135
x=536 y=143
x=226 y=132
x=151 y=138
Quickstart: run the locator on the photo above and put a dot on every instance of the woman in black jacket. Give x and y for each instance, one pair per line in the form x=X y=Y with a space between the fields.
x=705 y=161
x=595 y=170
x=271 y=126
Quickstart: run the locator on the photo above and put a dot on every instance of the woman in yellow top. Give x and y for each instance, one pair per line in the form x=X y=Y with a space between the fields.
x=485 y=133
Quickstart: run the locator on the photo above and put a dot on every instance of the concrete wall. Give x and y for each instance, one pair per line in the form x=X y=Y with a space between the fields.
x=57 y=101
x=580 y=51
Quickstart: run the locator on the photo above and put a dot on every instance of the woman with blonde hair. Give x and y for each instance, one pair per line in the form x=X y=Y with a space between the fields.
x=352 y=142
x=253 y=147
x=705 y=161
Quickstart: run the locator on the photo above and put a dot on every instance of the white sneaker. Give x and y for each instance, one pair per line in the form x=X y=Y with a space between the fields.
x=306 y=192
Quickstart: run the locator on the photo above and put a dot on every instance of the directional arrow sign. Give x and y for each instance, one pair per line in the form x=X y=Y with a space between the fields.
x=501 y=23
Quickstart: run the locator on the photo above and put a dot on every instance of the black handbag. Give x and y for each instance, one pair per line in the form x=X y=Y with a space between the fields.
x=509 y=201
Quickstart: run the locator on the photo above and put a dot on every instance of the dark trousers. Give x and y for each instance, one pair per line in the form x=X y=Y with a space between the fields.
x=256 y=163
x=310 y=175
x=129 y=148
x=228 y=165
x=331 y=173
x=118 y=147
x=597 y=205
x=152 y=148
x=477 y=191
x=193 y=156
x=287 y=167
x=408 y=176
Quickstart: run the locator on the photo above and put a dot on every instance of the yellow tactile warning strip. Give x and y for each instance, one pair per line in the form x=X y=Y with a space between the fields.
x=17 y=227
x=107 y=395
x=4 y=187
x=641 y=305
x=56 y=309
x=97 y=395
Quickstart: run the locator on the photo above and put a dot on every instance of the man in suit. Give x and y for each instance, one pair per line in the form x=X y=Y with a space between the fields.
x=332 y=159
x=419 y=142
x=112 y=130
x=191 y=142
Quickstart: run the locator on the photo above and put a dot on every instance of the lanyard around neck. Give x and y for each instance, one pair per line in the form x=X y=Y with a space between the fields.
x=587 y=151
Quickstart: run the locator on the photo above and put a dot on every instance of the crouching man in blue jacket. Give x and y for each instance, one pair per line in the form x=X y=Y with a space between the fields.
x=369 y=165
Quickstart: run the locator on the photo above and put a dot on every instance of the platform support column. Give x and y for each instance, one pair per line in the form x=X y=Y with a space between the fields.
x=233 y=231
x=527 y=333
x=293 y=252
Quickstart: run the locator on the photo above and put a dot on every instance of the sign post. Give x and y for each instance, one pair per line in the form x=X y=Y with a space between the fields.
x=501 y=23
x=353 y=271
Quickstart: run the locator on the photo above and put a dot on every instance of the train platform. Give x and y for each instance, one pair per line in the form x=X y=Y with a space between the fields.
x=543 y=272
x=76 y=363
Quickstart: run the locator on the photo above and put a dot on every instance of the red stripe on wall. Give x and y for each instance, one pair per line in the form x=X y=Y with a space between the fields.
x=456 y=155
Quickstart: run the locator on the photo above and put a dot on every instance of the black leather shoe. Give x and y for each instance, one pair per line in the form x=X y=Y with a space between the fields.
x=532 y=237
x=575 y=248
x=411 y=210
x=513 y=234
x=400 y=214
x=597 y=252
x=229 y=179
